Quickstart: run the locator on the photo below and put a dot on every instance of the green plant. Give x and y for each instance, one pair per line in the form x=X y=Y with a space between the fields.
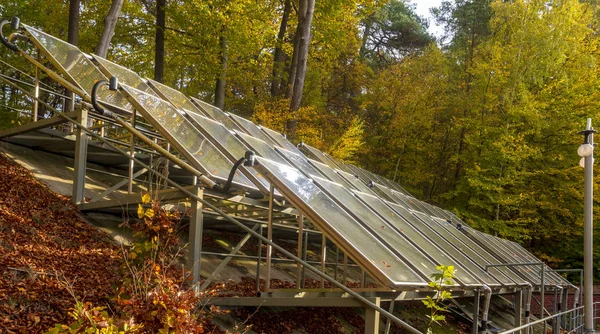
x=438 y=283
x=90 y=319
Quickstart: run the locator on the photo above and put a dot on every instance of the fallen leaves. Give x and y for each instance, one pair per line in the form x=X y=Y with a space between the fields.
x=42 y=239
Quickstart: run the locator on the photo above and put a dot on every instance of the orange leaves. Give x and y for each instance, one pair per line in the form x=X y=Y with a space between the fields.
x=41 y=238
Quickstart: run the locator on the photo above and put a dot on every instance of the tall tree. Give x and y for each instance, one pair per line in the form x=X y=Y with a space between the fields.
x=159 y=51
x=279 y=55
x=222 y=76
x=73 y=34
x=305 y=15
x=110 y=21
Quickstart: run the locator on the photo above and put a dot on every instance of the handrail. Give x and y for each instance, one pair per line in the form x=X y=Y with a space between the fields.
x=543 y=320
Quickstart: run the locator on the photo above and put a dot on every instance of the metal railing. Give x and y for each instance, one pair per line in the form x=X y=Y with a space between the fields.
x=570 y=321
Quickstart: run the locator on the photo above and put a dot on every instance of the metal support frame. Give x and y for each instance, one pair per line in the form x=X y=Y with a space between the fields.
x=226 y=260
x=195 y=238
x=299 y=268
x=518 y=307
x=81 y=146
x=542 y=274
x=269 y=237
x=119 y=185
x=475 y=329
x=258 y=259
x=372 y=318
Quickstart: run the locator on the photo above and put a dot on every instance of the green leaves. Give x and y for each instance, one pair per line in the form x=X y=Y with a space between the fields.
x=434 y=303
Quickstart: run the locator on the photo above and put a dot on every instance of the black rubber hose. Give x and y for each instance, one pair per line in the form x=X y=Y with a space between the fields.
x=237 y=164
x=97 y=107
x=4 y=40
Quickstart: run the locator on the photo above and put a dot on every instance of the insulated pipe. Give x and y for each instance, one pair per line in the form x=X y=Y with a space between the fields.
x=487 y=294
x=528 y=295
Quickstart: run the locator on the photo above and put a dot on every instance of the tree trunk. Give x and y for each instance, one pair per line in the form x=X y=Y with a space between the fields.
x=303 y=42
x=278 y=56
x=73 y=33
x=159 y=51
x=221 y=80
x=110 y=21
x=366 y=35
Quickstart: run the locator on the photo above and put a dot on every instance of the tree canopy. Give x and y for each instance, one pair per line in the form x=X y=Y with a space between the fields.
x=482 y=121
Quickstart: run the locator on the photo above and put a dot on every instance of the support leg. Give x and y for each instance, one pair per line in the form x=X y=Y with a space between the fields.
x=372 y=319
x=195 y=240
x=518 y=307
x=81 y=145
x=476 y=313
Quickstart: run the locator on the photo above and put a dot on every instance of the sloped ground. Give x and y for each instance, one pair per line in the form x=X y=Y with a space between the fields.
x=48 y=255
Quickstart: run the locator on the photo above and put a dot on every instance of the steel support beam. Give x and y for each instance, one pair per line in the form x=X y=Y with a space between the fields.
x=195 y=239
x=372 y=318
x=81 y=146
x=518 y=308
x=41 y=124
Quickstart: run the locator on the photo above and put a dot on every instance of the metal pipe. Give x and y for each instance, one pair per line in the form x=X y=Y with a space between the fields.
x=588 y=234
x=487 y=295
x=529 y=293
x=543 y=320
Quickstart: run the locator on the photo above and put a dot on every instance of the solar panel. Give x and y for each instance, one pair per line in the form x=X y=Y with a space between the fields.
x=319 y=156
x=466 y=270
x=177 y=98
x=452 y=246
x=216 y=114
x=494 y=251
x=230 y=145
x=300 y=162
x=252 y=129
x=357 y=183
x=263 y=149
x=330 y=173
x=467 y=246
x=393 y=240
x=125 y=75
x=339 y=226
x=184 y=136
x=76 y=66
x=281 y=140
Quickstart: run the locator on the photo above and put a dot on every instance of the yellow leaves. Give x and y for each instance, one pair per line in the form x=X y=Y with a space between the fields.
x=146 y=198
x=144 y=213
x=140 y=211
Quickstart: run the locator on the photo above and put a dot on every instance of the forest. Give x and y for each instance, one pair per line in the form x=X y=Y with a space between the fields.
x=482 y=121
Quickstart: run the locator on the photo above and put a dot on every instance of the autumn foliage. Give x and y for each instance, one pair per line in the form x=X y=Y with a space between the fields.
x=44 y=244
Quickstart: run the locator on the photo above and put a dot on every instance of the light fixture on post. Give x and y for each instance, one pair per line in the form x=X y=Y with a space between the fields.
x=586 y=151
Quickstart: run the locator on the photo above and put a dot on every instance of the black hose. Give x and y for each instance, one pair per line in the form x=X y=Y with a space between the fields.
x=97 y=107
x=232 y=174
x=4 y=40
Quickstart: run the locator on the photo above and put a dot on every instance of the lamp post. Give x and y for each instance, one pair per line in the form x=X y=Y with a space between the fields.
x=586 y=152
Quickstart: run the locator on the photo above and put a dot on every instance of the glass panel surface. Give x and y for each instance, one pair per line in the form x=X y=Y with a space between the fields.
x=184 y=136
x=75 y=65
x=217 y=114
x=252 y=129
x=319 y=156
x=341 y=164
x=366 y=249
x=330 y=173
x=526 y=255
x=378 y=227
x=458 y=243
x=356 y=182
x=300 y=162
x=174 y=96
x=281 y=140
x=125 y=75
x=359 y=172
x=229 y=144
x=494 y=251
x=263 y=149
x=453 y=249
x=441 y=257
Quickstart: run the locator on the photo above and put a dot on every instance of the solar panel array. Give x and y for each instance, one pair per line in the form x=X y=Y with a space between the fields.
x=397 y=239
